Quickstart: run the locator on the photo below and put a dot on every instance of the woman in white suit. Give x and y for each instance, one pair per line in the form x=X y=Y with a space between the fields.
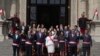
x=50 y=44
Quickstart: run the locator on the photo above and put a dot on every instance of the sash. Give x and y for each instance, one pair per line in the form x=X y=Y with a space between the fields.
x=86 y=42
x=61 y=41
x=51 y=39
x=27 y=42
x=72 y=42
x=38 y=43
x=14 y=44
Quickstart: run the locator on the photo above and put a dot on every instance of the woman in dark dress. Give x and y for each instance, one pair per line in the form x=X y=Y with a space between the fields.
x=62 y=43
x=22 y=44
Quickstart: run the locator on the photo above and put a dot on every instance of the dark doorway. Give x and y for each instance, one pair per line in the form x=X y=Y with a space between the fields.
x=48 y=15
x=48 y=12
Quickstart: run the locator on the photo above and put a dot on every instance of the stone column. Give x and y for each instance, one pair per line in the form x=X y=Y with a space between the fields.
x=81 y=7
x=73 y=12
x=91 y=9
x=2 y=4
x=22 y=12
x=91 y=13
x=13 y=8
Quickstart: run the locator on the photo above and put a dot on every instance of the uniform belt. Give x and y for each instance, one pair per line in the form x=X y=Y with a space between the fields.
x=72 y=42
x=28 y=43
x=86 y=42
x=38 y=43
x=61 y=41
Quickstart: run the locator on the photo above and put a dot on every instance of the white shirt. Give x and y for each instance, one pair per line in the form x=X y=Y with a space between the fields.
x=29 y=36
x=67 y=32
x=72 y=35
x=16 y=36
x=40 y=35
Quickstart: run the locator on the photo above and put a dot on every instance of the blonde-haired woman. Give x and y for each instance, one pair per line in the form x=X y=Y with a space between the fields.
x=50 y=44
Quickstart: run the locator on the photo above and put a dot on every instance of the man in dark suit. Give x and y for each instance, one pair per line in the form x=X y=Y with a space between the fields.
x=73 y=42
x=28 y=43
x=87 y=43
x=82 y=22
x=16 y=42
x=22 y=44
x=39 y=41
x=15 y=21
x=66 y=34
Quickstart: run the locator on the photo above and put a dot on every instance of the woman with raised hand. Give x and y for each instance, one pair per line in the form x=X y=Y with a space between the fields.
x=50 y=44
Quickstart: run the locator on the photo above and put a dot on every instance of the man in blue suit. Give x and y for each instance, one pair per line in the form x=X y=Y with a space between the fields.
x=28 y=43
x=16 y=42
x=87 y=43
x=39 y=41
x=73 y=41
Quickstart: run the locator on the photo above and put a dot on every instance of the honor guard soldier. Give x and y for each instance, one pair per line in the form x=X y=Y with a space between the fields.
x=73 y=41
x=87 y=43
x=82 y=23
x=15 y=22
x=39 y=41
x=16 y=42
x=28 y=43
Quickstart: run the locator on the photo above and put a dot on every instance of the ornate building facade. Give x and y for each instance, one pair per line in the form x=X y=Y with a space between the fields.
x=69 y=10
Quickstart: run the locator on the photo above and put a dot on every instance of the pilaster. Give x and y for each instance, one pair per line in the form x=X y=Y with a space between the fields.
x=73 y=12
x=13 y=8
x=22 y=10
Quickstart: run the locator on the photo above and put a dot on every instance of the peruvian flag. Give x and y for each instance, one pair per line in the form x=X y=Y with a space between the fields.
x=95 y=16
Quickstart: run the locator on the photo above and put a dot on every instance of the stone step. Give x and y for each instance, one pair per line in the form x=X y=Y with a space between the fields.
x=6 y=48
